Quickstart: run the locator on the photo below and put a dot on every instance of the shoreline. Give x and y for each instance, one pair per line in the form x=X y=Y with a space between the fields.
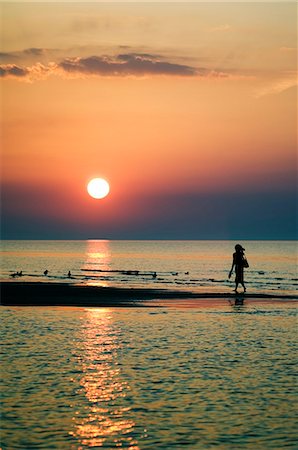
x=62 y=294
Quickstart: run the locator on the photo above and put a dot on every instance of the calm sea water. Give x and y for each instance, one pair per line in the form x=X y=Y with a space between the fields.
x=190 y=265
x=143 y=378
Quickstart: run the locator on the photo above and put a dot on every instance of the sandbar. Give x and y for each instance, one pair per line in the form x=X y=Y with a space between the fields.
x=62 y=294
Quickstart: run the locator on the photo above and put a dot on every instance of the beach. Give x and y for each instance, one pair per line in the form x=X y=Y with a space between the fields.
x=61 y=294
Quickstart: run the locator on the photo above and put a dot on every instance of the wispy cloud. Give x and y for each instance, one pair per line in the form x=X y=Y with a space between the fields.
x=33 y=51
x=288 y=49
x=223 y=27
x=287 y=81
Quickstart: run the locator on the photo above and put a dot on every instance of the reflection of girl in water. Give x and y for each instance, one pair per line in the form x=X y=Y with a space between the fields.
x=239 y=262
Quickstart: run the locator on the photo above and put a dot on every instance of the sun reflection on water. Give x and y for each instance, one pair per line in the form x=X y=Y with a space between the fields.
x=98 y=259
x=105 y=420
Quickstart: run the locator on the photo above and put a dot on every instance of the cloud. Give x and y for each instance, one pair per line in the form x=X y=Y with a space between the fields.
x=29 y=56
x=288 y=49
x=8 y=56
x=119 y=65
x=224 y=27
x=36 y=72
x=85 y=24
x=125 y=64
x=13 y=70
x=289 y=80
x=34 y=51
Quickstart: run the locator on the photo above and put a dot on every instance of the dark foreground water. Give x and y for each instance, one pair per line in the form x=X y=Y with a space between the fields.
x=166 y=378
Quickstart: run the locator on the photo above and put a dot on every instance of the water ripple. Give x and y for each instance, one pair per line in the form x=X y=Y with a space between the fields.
x=219 y=378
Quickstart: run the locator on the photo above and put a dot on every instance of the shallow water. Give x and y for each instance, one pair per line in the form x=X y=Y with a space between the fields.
x=188 y=265
x=142 y=378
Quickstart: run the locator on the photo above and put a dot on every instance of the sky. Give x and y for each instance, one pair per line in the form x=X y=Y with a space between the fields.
x=187 y=109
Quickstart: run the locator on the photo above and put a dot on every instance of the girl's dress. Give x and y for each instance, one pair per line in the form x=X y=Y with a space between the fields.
x=238 y=261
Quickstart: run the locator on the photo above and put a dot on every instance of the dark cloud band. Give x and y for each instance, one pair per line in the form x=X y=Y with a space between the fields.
x=13 y=70
x=120 y=65
x=128 y=64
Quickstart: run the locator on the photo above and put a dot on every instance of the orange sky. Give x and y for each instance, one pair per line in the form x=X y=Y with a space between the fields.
x=157 y=98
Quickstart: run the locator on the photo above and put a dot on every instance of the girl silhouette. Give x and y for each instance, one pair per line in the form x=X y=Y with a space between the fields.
x=239 y=262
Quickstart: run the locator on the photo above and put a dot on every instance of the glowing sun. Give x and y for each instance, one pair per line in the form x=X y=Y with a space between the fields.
x=98 y=188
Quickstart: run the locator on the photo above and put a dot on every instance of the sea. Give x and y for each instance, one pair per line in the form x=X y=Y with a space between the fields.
x=186 y=265
x=184 y=376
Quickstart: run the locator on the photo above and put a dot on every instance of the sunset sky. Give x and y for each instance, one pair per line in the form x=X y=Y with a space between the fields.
x=187 y=109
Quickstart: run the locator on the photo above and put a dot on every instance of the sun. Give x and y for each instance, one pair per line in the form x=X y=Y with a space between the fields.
x=98 y=188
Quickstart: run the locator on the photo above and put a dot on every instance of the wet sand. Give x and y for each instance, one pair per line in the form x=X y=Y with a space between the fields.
x=60 y=294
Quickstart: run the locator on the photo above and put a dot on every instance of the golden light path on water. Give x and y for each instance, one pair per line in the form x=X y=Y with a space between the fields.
x=106 y=418
x=98 y=257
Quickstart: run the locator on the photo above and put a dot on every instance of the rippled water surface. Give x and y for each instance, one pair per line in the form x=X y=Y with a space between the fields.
x=149 y=378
